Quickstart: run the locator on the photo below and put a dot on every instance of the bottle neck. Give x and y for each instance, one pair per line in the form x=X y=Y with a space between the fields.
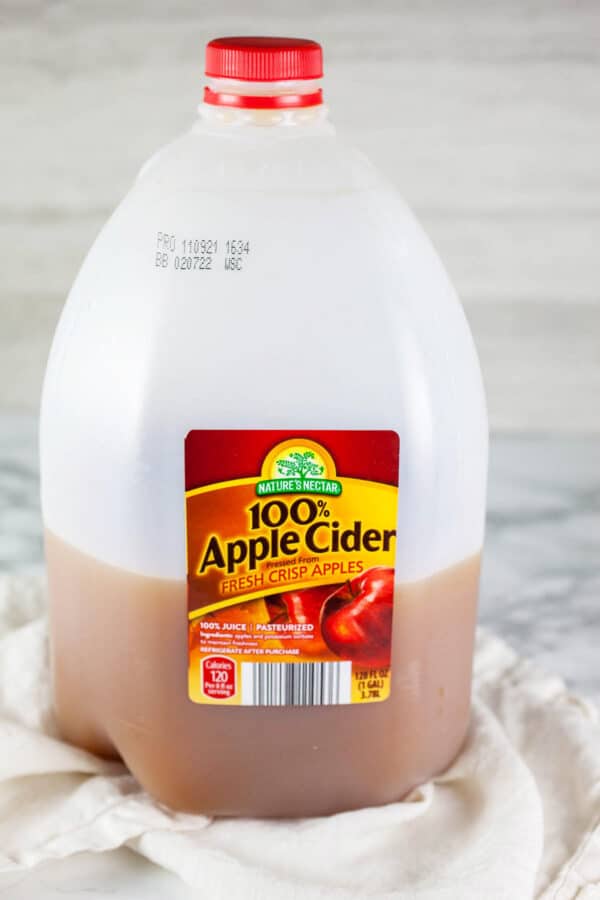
x=285 y=104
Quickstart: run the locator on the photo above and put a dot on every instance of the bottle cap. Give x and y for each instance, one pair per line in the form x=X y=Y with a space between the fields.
x=264 y=59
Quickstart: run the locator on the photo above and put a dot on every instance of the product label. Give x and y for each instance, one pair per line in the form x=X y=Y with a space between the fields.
x=291 y=540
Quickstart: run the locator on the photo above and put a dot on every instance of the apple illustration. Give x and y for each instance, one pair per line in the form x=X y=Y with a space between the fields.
x=303 y=607
x=193 y=635
x=356 y=620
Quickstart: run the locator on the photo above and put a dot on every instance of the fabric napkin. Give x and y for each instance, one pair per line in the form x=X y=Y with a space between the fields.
x=517 y=816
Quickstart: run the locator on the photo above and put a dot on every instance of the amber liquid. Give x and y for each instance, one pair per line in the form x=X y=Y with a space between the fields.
x=119 y=649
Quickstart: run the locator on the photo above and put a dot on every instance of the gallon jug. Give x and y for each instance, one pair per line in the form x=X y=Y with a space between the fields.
x=263 y=460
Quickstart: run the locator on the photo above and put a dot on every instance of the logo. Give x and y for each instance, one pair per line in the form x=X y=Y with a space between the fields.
x=298 y=466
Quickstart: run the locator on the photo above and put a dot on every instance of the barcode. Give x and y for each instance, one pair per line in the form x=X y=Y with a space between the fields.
x=296 y=684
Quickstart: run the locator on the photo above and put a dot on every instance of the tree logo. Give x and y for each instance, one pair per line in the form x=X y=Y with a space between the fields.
x=298 y=466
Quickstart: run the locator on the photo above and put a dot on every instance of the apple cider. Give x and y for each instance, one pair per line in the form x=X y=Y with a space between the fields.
x=276 y=761
x=263 y=459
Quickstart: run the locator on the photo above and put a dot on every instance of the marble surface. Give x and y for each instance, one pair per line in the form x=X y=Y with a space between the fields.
x=483 y=114
x=540 y=591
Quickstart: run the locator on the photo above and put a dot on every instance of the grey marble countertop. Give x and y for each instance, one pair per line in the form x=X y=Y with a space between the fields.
x=540 y=591
x=541 y=574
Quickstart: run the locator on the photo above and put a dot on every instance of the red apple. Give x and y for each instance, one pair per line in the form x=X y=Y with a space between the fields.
x=303 y=607
x=356 y=620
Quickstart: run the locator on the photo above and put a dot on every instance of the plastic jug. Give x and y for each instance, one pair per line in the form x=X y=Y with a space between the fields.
x=263 y=459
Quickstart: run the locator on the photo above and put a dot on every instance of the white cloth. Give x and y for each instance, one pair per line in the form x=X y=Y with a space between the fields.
x=516 y=817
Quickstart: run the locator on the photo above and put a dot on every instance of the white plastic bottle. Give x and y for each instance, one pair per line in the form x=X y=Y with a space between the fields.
x=263 y=453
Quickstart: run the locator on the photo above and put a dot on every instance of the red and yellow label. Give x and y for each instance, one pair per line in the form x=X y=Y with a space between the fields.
x=291 y=540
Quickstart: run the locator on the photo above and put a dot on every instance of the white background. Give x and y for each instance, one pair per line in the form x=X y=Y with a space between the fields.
x=484 y=113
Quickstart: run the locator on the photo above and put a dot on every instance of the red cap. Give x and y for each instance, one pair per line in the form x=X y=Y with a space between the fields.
x=264 y=59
